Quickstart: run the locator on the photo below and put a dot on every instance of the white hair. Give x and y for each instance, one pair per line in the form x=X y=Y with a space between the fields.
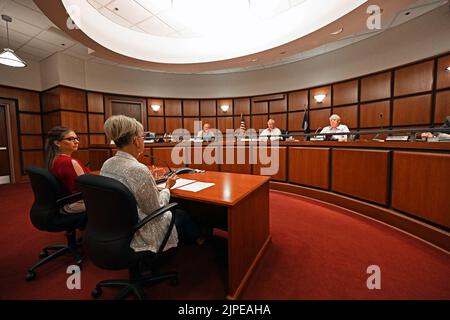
x=335 y=117
x=121 y=129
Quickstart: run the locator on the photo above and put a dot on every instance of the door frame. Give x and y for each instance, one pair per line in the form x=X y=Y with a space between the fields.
x=13 y=148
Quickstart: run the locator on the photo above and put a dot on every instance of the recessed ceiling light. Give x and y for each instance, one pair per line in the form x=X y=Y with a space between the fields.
x=448 y=69
x=254 y=60
x=337 y=31
x=116 y=9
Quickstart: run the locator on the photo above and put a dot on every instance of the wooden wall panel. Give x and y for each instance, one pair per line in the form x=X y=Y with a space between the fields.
x=172 y=107
x=369 y=116
x=298 y=100
x=349 y=116
x=50 y=100
x=278 y=105
x=363 y=174
x=95 y=102
x=204 y=155
x=188 y=124
x=376 y=87
x=72 y=99
x=412 y=110
x=156 y=124
x=173 y=124
x=150 y=111
x=164 y=153
x=83 y=156
x=97 y=139
x=27 y=100
x=319 y=118
x=280 y=120
x=51 y=120
x=260 y=107
x=309 y=166
x=224 y=123
x=277 y=162
x=235 y=167
x=84 y=140
x=96 y=122
x=31 y=142
x=322 y=90
x=191 y=108
x=30 y=123
x=32 y=158
x=420 y=185
x=74 y=120
x=259 y=122
x=295 y=121
x=413 y=79
x=241 y=106
x=443 y=76
x=208 y=108
x=345 y=93
x=442 y=106
x=222 y=102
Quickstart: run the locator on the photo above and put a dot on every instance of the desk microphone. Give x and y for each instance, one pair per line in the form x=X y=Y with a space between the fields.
x=381 y=128
x=163 y=161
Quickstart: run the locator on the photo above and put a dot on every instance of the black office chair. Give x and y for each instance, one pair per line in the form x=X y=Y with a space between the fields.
x=284 y=135
x=113 y=221
x=46 y=215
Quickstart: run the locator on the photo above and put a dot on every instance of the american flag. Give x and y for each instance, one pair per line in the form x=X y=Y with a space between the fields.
x=242 y=127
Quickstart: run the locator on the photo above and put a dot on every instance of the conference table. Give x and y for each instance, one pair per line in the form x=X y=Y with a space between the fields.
x=243 y=201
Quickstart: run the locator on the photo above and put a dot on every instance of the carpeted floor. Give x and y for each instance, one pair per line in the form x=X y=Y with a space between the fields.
x=317 y=252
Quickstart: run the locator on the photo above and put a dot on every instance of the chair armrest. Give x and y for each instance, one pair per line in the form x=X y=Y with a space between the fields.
x=69 y=199
x=155 y=214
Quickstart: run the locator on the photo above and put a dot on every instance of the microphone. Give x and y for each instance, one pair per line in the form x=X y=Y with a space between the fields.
x=163 y=161
x=316 y=138
x=381 y=128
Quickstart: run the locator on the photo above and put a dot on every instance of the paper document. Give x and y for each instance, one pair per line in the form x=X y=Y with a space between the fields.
x=178 y=183
x=196 y=186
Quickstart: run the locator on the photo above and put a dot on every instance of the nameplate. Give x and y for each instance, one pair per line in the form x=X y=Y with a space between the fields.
x=397 y=138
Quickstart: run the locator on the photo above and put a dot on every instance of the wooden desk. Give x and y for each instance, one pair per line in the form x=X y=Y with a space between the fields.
x=245 y=201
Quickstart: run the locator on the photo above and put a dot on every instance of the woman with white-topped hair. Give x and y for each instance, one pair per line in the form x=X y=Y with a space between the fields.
x=128 y=135
x=336 y=127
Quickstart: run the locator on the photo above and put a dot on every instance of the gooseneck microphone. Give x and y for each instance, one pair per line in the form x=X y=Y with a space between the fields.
x=163 y=161
x=381 y=128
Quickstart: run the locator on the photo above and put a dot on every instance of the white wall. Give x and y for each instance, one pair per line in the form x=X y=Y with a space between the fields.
x=420 y=38
x=27 y=78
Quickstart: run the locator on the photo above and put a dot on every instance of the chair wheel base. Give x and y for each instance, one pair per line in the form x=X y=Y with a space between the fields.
x=43 y=254
x=31 y=275
x=97 y=292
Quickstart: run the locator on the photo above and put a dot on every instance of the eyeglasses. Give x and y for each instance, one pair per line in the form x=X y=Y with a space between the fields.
x=72 y=139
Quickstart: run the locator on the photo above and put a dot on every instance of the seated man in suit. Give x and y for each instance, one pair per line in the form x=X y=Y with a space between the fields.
x=271 y=131
x=439 y=134
x=335 y=127
x=206 y=134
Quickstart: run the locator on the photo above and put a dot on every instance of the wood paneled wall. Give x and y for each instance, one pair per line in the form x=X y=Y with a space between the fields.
x=414 y=95
x=26 y=129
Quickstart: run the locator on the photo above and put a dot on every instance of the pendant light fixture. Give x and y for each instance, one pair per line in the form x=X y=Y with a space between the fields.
x=8 y=57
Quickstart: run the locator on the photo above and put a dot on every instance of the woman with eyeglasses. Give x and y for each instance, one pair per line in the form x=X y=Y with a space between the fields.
x=61 y=143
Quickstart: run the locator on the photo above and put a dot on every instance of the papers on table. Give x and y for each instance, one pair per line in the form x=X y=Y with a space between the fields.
x=196 y=186
x=179 y=183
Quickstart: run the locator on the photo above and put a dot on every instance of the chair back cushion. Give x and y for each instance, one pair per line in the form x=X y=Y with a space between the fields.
x=46 y=190
x=112 y=215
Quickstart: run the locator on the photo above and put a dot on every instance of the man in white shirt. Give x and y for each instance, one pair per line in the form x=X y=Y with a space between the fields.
x=336 y=127
x=271 y=132
x=206 y=134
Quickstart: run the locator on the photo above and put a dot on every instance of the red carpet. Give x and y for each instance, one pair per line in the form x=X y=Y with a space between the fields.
x=317 y=252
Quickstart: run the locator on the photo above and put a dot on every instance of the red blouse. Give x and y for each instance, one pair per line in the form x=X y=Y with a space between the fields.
x=64 y=171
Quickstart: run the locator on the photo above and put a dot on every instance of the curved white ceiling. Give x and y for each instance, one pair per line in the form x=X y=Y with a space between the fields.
x=207 y=30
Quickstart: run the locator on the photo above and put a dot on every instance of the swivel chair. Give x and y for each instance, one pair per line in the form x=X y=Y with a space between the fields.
x=47 y=214
x=113 y=221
